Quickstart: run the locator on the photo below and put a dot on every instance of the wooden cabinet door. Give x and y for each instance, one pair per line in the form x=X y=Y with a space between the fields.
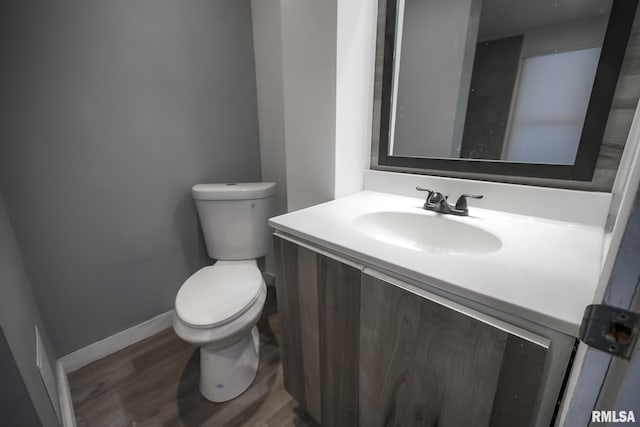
x=297 y=292
x=424 y=364
x=318 y=302
x=339 y=309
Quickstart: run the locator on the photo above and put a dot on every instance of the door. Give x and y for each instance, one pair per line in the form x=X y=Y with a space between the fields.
x=297 y=292
x=318 y=302
x=423 y=363
x=602 y=382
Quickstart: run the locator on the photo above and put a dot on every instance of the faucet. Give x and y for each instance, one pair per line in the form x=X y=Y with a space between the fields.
x=437 y=202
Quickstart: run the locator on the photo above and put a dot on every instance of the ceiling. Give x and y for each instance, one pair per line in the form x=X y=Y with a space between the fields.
x=501 y=18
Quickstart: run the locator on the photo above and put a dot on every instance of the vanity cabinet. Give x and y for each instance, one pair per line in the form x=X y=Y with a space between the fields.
x=360 y=350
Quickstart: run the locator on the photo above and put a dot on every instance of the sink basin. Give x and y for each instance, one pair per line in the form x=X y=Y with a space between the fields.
x=427 y=233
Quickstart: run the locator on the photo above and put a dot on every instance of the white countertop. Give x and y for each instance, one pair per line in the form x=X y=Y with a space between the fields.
x=546 y=271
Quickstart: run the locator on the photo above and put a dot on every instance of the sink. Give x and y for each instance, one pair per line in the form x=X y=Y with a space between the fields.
x=427 y=233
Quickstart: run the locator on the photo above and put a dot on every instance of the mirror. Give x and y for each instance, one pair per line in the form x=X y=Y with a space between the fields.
x=508 y=87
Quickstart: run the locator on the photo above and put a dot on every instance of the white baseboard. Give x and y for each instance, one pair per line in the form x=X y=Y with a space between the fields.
x=64 y=394
x=96 y=351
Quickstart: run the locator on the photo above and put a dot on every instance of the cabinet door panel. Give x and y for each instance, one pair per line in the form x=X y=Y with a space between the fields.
x=339 y=294
x=520 y=378
x=423 y=364
x=297 y=291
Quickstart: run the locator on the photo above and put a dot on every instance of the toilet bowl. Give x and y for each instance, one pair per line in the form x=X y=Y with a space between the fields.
x=221 y=320
x=218 y=307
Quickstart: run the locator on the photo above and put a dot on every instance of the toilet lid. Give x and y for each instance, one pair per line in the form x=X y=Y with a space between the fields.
x=218 y=294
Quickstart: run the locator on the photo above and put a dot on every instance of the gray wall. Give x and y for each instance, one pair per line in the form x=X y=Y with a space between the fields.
x=15 y=404
x=112 y=110
x=19 y=315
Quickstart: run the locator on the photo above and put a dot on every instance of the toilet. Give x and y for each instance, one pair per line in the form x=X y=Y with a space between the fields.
x=218 y=307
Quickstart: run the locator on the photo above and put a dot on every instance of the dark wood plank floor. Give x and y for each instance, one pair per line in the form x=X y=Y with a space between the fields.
x=155 y=383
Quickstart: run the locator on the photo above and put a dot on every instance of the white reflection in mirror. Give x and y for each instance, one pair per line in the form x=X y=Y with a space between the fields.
x=494 y=79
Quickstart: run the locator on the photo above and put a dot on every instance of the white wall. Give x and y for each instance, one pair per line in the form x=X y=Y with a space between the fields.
x=430 y=92
x=308 y=69
x=318 y=107
x=267 y=43
x=354 y=100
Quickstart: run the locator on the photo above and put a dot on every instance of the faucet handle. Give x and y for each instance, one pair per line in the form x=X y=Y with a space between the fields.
x=424 y=189
x=461 y=204
x=429 y=192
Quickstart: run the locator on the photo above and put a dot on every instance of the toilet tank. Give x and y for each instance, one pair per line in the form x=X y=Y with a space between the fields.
x=234 y=217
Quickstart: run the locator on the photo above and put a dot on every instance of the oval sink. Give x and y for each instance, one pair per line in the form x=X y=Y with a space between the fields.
x=434 y=234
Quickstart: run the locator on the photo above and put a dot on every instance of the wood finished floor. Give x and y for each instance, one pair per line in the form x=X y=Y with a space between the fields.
x=155 y=383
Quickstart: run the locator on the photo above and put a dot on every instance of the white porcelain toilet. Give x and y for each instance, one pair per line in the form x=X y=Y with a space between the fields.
x=217 y=308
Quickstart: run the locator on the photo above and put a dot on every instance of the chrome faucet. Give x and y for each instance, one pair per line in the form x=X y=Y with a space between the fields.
x=437 y=202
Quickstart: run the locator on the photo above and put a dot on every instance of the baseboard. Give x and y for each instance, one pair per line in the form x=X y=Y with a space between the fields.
x=96 y=351
x=64 y=394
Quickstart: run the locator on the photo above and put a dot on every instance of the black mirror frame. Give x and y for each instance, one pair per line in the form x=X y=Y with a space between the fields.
x=613 y=50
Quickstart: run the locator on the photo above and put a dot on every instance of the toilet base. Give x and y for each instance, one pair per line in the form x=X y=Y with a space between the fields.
x=227 y=372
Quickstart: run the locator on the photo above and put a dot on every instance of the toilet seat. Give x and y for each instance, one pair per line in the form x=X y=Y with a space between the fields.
x=218 y=294
x=223 y=335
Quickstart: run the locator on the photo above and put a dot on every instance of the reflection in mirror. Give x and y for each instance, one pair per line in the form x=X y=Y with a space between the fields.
x=499 y=80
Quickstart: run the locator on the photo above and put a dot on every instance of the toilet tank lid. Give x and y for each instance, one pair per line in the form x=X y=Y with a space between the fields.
x=233 y=191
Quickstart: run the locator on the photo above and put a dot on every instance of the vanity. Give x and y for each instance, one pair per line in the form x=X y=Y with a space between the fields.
x=392 y=314
x=395 y=315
